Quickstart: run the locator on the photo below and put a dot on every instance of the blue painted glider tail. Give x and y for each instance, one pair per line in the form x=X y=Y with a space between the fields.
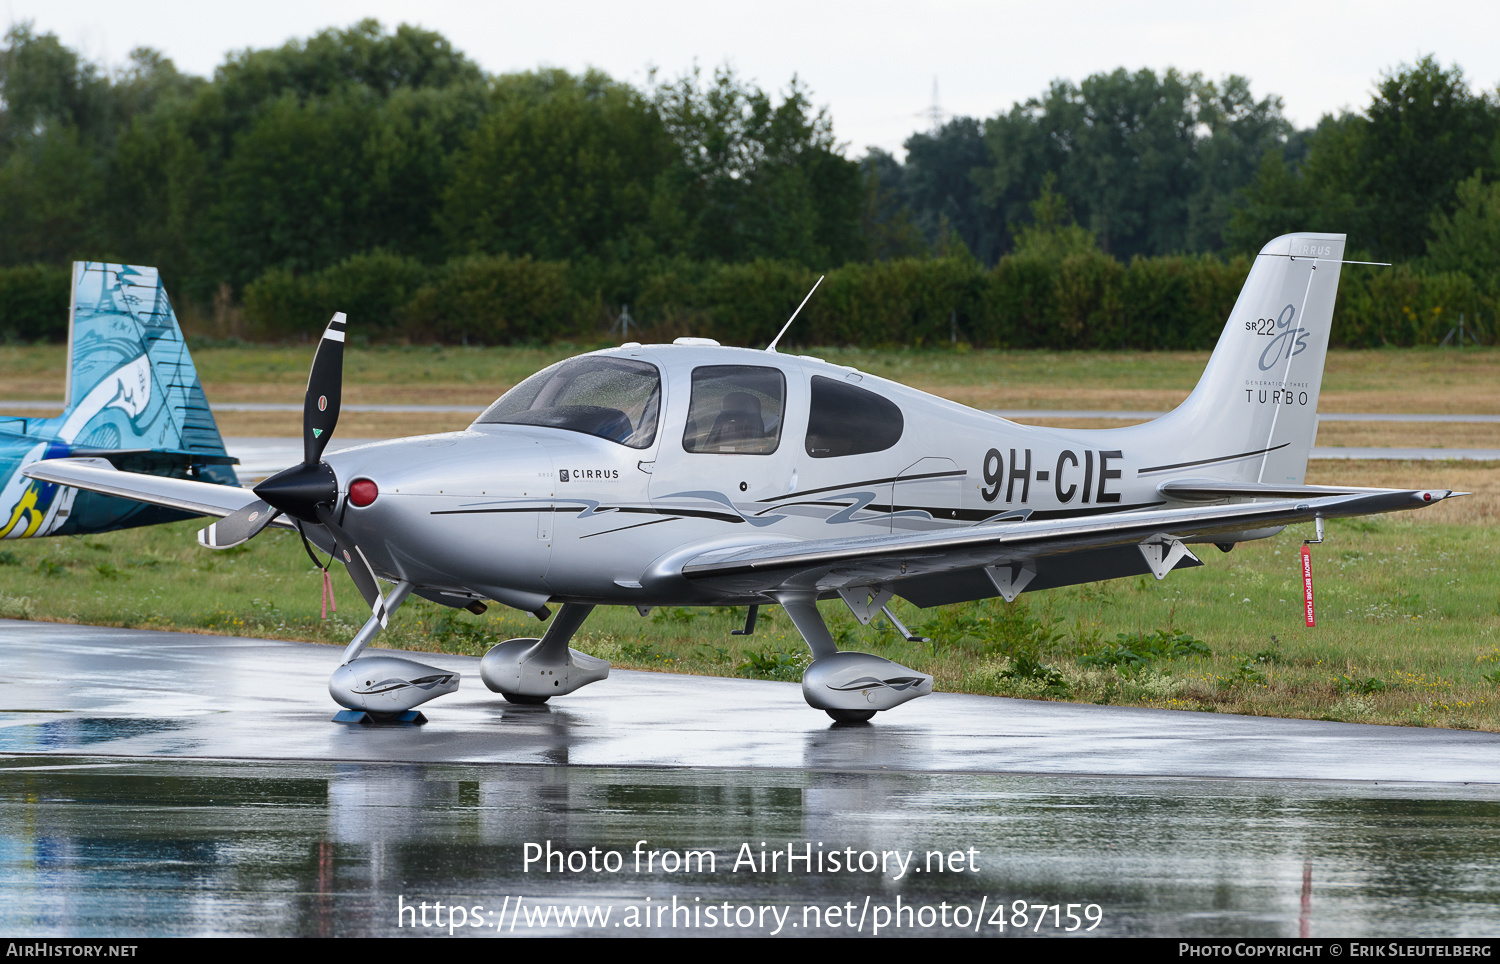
x=131 y=382
x=133 y=397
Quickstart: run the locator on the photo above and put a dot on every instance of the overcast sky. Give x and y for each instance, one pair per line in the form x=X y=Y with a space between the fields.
x=872 y=63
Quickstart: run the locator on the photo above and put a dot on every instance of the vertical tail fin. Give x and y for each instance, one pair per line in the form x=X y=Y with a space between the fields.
x=133 y=396
x=131 y=382
x=1254 y=414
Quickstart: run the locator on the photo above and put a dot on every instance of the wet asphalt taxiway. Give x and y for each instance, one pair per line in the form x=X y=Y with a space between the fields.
x=170 y=783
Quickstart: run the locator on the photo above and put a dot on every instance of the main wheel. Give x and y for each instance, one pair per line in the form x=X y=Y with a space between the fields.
x=851 y=716
x=520 y=699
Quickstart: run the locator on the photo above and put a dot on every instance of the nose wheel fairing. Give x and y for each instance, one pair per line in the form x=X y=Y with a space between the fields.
x=389 y=685
x=388 y=688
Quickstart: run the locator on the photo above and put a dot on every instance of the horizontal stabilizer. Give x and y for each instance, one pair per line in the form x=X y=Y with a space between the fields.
x=154 y=461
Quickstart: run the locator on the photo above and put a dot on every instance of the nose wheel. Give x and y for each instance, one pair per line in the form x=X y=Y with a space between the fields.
x=521 y=699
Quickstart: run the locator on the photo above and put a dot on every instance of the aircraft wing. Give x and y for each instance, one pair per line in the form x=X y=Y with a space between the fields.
x=831 y=564
x=98 y=475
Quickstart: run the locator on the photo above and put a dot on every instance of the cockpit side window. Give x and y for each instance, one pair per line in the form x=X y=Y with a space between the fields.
x=847 y=420
x=611 y=398
x=735 y=409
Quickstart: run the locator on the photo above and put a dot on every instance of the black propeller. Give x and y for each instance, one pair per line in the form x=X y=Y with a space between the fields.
x=308 y=491
x=237 y=527
x=325 y=386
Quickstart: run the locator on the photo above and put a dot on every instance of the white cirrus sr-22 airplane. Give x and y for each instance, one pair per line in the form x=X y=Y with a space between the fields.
x=692 y=474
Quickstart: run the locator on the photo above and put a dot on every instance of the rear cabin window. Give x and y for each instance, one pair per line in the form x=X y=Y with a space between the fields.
x=845 y=420
x=735 y=409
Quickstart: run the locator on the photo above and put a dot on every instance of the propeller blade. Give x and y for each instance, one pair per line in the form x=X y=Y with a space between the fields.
x=359 y=567
x=238 y=527
x=325 y=385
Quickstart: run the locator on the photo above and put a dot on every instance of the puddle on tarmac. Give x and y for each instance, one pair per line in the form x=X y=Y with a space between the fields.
x=323 y=850
x=78 y=731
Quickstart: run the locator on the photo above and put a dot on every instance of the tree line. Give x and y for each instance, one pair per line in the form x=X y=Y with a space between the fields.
x=384 y=174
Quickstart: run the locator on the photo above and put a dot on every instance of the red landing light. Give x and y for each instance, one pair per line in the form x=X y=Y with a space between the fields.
x=362 y=492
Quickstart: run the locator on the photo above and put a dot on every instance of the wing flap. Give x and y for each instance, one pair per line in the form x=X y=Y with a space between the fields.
x=1205 y=489
x=98 y=475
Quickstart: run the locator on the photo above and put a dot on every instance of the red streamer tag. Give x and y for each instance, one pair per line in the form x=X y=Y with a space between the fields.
x=1307 y=593
x=328 y=594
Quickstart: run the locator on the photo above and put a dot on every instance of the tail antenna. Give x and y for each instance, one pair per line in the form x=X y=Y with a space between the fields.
x=772 y=346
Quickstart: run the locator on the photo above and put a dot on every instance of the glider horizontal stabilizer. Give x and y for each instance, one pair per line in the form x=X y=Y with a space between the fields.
x=186 y=495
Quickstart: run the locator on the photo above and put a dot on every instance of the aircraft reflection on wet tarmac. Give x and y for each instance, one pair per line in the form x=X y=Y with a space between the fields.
x=171 y=783
x=157 y=848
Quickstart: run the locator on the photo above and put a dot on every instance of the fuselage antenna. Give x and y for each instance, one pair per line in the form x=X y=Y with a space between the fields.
x=772 y=346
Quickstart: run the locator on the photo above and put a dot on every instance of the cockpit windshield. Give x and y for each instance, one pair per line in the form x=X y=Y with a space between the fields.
x=610 y=398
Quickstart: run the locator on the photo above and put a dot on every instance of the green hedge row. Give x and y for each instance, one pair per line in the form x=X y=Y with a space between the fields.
x=1082 y=301
x=34 y=303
